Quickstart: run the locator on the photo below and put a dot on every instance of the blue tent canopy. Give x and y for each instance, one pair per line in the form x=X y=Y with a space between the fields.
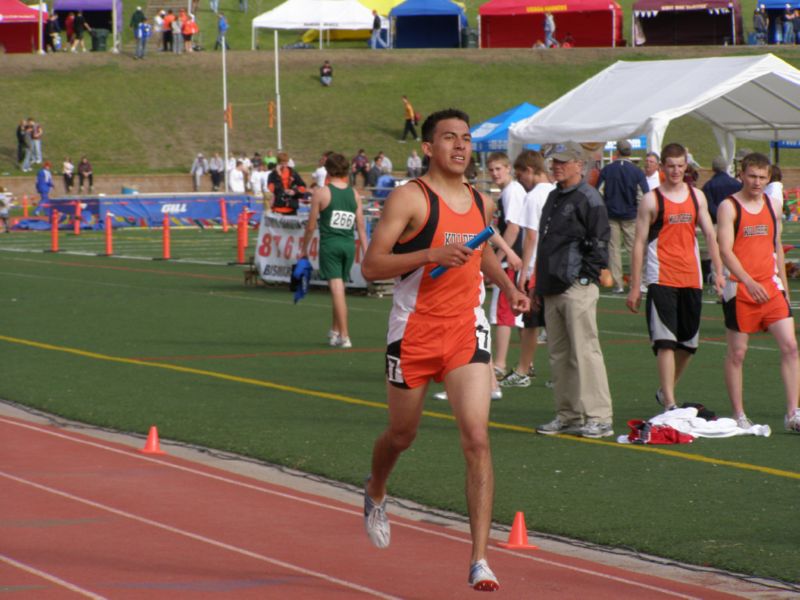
x=428 y=24
x=492 y=135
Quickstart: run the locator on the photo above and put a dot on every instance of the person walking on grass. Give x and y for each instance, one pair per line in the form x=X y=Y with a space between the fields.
x=437 y=328
x=666 y=223
x=337 y=208
x=756 y=296
x=410 y=121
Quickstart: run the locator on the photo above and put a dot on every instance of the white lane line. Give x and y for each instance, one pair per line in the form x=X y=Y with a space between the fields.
x=51 y=578
x=198 y=537
x=340 y=509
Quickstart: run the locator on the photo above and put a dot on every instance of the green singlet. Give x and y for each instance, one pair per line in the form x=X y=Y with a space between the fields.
x=336 y=231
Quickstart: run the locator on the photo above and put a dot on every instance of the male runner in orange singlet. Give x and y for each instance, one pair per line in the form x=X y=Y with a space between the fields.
x=437 y=328
x=756 y=296
x=666 y=224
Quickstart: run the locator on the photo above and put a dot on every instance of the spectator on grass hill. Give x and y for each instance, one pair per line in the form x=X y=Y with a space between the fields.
x=52 y=31
x=37 y=133
x=410 y=121
x=44 y=183
x=85 y=174
x=81 y=27
x=414 y=165
x=720 y=186
x=69 y=28
x=326 y=73
x=375 y=171
x=142 y=33
x=259 y=179
x=375 y=37
x=136 y=18
x=177 y=31
x=222 y=32
x=68 y=172
x=199 y=168
x=270 y=159
x=158 y=29
x=27 y=133
x=237 y=178
x=166 y=31
x=359 y=165
x=216 y=168
x=320 y=176
x=286 y=186
x=549 y=30
x=190 y=29
x=21 y=144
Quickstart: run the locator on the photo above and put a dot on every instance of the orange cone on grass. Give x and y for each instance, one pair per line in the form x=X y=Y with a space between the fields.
x=152 y=446
x=518 y=538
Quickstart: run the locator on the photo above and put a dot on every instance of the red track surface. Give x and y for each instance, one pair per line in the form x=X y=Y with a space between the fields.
x=82 y=517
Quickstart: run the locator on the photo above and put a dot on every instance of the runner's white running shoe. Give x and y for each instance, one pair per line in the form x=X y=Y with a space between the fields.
x=481 y=578
x=376 y=521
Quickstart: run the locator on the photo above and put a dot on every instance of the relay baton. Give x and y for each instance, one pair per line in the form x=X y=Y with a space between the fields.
x=473 y=244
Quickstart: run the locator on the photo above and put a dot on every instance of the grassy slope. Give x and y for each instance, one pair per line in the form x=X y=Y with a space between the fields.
x=153 y=115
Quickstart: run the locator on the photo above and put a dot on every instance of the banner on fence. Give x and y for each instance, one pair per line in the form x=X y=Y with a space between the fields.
x=278 y=249
x=148 y=210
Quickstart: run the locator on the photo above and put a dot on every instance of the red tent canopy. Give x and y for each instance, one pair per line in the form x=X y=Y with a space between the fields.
x=520 y=23
x=19 y=26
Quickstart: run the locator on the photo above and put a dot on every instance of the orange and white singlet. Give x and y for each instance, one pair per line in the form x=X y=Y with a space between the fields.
x=458 y=290
x=754 y=245
x=673 y=256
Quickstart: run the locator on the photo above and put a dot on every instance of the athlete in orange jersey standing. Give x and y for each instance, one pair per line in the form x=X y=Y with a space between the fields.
x=666 y=225
x=437 y=329
x=757 y=294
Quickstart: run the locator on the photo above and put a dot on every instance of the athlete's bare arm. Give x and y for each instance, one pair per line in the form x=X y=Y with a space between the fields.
x=707 y=227
x=726 y=214
x=777 y=207
x=404 y=213
x=514 y=261
x=360 y=227
x=491 y=268
x=645 y=215
x=528 y=245
x=319 y=201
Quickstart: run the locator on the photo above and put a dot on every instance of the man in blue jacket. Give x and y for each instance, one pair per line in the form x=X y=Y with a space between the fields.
x=720 y=186
x=622 y=184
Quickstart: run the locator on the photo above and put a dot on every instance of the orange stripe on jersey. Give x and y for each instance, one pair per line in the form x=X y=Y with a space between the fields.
x=755 y=242
x=673 y=256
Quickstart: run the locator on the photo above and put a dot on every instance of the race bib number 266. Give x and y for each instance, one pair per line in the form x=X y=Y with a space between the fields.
x=342 y=219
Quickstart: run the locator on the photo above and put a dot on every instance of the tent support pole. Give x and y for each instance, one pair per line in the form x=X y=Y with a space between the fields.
x=40 y=42
x=733 y=23
x=613 y=28
x=278 y=91
x=114 y=29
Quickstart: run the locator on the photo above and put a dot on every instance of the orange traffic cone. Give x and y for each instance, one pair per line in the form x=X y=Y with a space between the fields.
x=518 y=538
x=152 y=446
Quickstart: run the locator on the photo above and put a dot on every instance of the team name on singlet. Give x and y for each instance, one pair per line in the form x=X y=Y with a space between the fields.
x=755 y=230
x=457 y=238
x=680 y=218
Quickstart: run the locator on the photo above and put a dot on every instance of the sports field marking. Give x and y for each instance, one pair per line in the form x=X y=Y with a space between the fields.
x=315 y=503
x=51 y=578
x=382 y=405
x=199 y=538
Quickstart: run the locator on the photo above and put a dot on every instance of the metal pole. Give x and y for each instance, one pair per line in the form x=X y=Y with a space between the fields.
x=278 y=91
x=114 y=28
x=225 y=108
x=41 y=26
x=613 y=28
x=733 y=23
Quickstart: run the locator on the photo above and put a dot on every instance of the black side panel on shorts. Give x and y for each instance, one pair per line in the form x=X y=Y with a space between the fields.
x=392 y=362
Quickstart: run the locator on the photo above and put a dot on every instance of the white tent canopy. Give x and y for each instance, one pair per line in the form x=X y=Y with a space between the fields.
x=749 y=97
x=314 y=14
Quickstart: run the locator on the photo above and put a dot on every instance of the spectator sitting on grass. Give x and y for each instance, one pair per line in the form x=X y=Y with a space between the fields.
x=326 y=74
x=414 y=165
x=85 y=174
x=375 y=172
x=359 y=164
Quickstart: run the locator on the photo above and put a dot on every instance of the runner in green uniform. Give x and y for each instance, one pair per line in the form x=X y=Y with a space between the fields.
x=337 y=208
